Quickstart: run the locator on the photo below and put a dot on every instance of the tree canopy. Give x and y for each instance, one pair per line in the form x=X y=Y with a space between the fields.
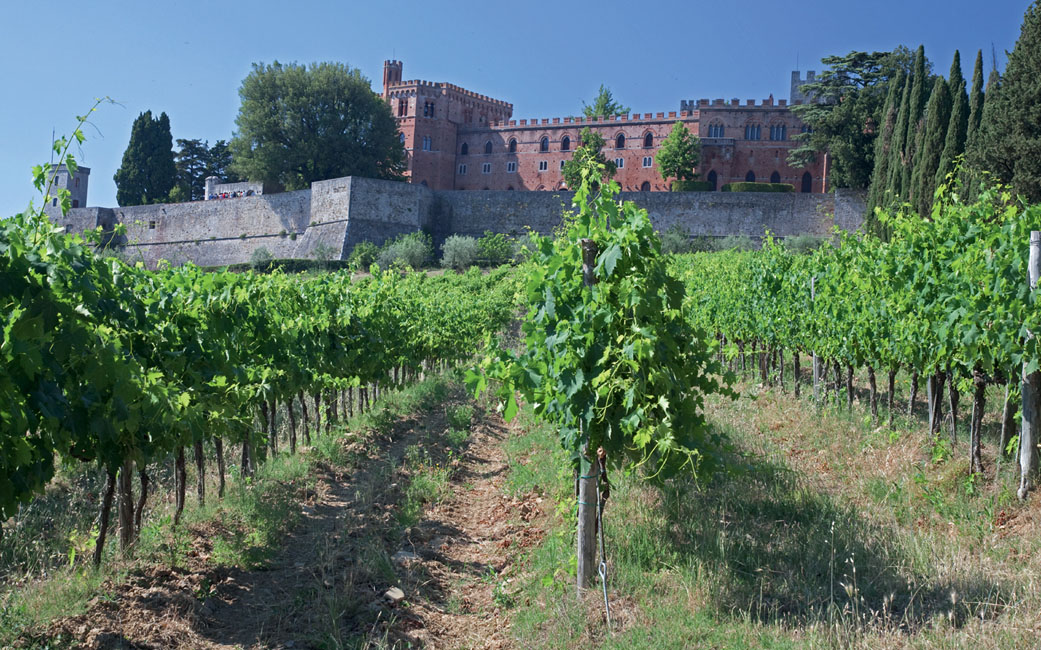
x=587 y=156
x=196 y=160
x=845 y=113
x=1008 y=144
x=679 y=154
x=299 y=124
x=604 y=105
x=147 y=173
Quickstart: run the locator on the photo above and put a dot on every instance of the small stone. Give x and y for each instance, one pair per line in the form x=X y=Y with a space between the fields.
x=394 y=595
x=403 y=557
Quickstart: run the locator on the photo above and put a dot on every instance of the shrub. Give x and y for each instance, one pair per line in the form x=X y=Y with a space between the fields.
x=522 y=248
x=676 y=240
x=495 y=249
x=804 y=243
x=691 y=186
x=459 y=252
x=412 y=249
x=363 y=255
x=736 y=242
x=261 y=259
x=758 y=187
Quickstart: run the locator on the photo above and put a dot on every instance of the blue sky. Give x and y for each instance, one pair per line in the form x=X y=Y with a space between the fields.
x=188 y=58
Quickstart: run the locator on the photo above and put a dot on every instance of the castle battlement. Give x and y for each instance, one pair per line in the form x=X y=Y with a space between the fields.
x=769 y=102
x=458 y=90
x=599 y=121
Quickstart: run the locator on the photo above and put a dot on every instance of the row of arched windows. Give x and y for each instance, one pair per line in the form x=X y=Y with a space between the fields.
x=565 y=144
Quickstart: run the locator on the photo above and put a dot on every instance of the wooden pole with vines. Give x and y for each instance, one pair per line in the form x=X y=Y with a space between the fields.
x=586 y=538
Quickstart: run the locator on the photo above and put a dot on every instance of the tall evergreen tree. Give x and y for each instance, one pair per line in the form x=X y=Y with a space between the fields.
x=1009 y=140
x=191 y=161
x=934 y=137
x=897 y=162
x=916 y=110
x=883 y=145
x=218 y=163
x=148 y=172
x=957 y=128
x=975 y=99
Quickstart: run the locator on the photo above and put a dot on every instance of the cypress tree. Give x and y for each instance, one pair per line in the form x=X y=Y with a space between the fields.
x=957 y=128
x=1009 y=138
x=916 y=109
x=895 y=186
x=148 y=172
x=976 y=98
x=934 y=135
x=880 y=174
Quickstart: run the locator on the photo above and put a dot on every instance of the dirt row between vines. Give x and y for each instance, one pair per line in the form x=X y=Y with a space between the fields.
x=330 y=585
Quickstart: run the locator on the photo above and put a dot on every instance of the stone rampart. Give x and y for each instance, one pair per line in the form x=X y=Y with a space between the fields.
x=328 y=220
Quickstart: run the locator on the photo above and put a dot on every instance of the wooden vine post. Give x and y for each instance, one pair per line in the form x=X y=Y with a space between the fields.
x=1031 y=389
x=816 y=360
x=587 y=469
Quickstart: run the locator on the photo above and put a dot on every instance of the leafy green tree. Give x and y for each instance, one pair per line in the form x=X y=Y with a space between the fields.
x=957 y=129
x=218 y=163
x=937 y=118
x=679 y=154
x=299 y=124
x=604 y=105
x=589 y=152
x=148 y=172
x=849 y=97
x=191 y=159
x=1009 y=140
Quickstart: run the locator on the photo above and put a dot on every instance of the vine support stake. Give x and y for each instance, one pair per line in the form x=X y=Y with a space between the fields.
x=1031 y=389
x=816 y=360
x=587 y=497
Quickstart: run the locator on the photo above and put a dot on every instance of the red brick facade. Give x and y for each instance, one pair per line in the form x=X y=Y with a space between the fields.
x=457 y=139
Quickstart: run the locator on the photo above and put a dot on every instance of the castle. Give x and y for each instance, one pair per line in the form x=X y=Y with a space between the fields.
x=468 y=160
x=456 y=139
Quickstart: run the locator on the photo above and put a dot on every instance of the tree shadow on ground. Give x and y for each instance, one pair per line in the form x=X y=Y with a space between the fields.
x=783 y=552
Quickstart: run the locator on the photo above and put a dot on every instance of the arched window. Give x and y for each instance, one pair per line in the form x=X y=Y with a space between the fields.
x=753 y=131
x=648 y=141
x=488 y=147
x=750 y=176
x=465 y=150
x=645 y=186
x=619 y=141
x=509 y=189
x=401 y=137
x=565 y=143
x=778 y=132
x=513 y=145
x=807 y=183
x=716 y=130
x=775 y=178
x=544 y=144
x=713 y=178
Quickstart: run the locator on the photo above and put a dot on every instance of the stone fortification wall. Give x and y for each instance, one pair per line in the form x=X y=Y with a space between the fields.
x=328 y=220
x=713 y=214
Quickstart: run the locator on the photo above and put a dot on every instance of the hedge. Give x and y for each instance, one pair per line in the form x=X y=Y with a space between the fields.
x=692 y=186
x=758 y=187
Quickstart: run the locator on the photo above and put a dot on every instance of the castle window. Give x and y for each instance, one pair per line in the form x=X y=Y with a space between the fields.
x=562 y=164
x=619 y=162
x=151 y=225
x=488 y=147
x=645 y=186
x=750 y=176
x=513 y=145
x=509 y=189
x=486 y=168
x=565 y=143
x=75 y=203
x=753 y=131
x=648 y=142
x=543 y=165
x=462 y=170
x=511 y=168
x=428 y=109
x=648 y=161
x=778 y=132
x=716 y=130
x=54 y=202
x=806 y=128
x=426 y=143
x=402 y=107
x=712 y=179
x=76 y=182
x=401 y=136
x=619 y=141
x=464 y=150
x=775 y=178
x=544 y=144
x=807 y=183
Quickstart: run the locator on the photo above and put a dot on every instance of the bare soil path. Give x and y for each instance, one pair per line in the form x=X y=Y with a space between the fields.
x=328 y=587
